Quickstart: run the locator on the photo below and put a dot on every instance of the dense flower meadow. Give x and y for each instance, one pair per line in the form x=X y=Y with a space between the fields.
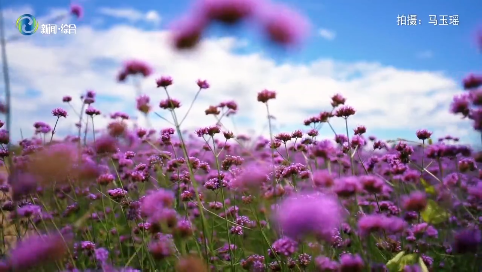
x=165 y=199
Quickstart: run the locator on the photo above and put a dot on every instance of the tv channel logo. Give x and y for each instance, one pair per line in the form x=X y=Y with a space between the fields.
x=27 y=24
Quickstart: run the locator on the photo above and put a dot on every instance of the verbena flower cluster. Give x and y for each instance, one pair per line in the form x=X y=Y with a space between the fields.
x=162 y=199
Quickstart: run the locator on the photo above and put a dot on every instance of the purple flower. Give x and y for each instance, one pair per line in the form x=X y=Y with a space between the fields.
x=170 y=104
x=461 y=104
x=253 y=176
x=105 y=145
x=472 y=81
x=266 y=95
x=372 y=184
x=301 y=215
x=92 y=111
x=467 y=241
x=164 y=81
x=101 y=255
x=351 y=263
x=143 y=104
x=29 y=210
x=423 y=134
x=76 y=10
x=58 y=112
x=325 y=264
x=228 y=11
x=345 y=112
x=282 y=25
x=187 y=32
x=37 y=250
x=375 y=222
x=136 y=67
x=162 y=247
x=416 y=201
x=154 y=204
x=323 y=178
x=117 y=193
x=67 y=99
x=202 y=84
x=347 y=186
x=285 y=246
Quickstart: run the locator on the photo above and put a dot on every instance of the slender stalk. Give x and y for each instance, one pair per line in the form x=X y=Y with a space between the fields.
x=190 y=107
x=85 y=132
x=349 y=148
x=192 y=177
x=53 y=130
x=81 y=115
x=93 y=128
x=271 y=141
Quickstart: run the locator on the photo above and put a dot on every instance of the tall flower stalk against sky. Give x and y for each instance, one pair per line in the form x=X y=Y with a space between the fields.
x=91 y=112
x=345 y=112
x=58 y=112
x=423 y=135
x=202 y=84
x=263 y=97
x=171 y=105
x=137 y=70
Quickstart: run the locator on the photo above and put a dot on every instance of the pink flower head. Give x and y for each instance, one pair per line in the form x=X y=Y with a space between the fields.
x=187 y=32
x=375 y=222
x=203 y=84
x=143 y=104
x=347 y=186
x=349 y=262
x=416 y=201
x=164 y=81
x=37 y=250
x=105 y=145
x=227 y=11
x=253 y=176
x=76 y=10
x=282 y=25
x=266 y=95
x=345 y=112
x=92 y=111
x=170 y=104
x=134 y=67
x=58 y=112
x=323 y=178
x=337 y=100
x=472 y=81
x=155 y=203
x=301 y=215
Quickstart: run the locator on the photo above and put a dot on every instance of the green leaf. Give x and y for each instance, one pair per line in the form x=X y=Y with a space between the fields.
x=407 y=260
x=398 y=263
x=422 y=265
x=433 y=213
x=393 y=265
x=430 y=142
x=429 y=189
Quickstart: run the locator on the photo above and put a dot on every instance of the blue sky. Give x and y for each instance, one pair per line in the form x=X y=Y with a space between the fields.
x=349 y=31
x=364 y=30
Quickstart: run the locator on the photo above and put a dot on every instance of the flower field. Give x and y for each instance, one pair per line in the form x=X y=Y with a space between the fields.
x=166 y=199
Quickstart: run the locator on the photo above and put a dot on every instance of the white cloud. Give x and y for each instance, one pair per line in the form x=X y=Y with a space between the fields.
x=386 y=98
x=132 y=14
x=427 y=54
x=327 y=34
